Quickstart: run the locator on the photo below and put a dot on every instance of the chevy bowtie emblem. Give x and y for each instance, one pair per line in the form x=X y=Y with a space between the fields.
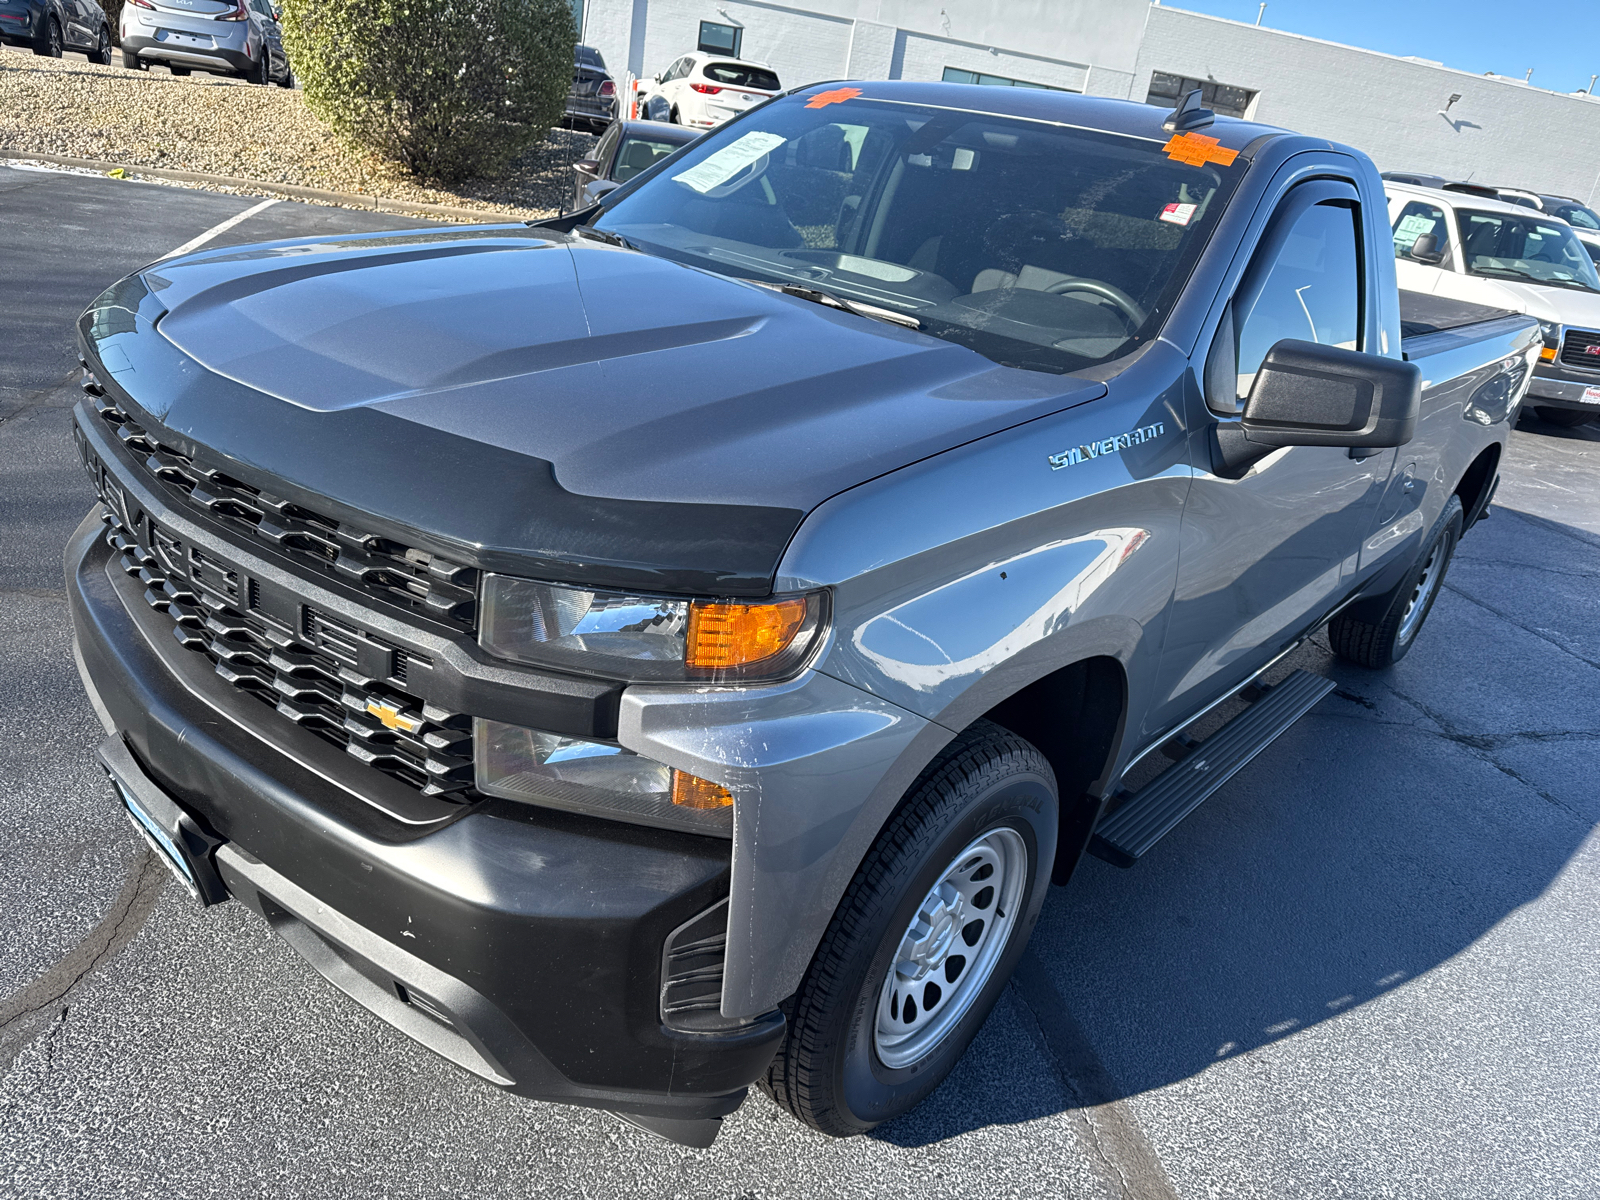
x=393 y=718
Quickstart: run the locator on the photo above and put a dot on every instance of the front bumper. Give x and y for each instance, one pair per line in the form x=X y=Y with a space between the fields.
x=523 y=944
x=1554 y=386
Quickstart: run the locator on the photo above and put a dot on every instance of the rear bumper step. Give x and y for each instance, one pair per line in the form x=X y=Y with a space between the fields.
x=1156 y=809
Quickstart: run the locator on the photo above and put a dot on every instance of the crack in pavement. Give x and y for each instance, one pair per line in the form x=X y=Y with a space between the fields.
x=37 y=1007
x=1115 y=1142
x=1510 y=620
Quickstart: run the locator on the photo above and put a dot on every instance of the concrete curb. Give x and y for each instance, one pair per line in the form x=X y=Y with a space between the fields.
x=477 y=216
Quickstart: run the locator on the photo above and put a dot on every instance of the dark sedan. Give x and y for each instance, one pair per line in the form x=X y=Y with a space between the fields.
x=628 y=148
x=51 y=26
x=592 y=100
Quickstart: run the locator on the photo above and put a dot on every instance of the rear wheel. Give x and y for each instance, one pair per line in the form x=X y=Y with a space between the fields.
x=1404 y=609
x=1567 y=418
x=102 y=50
x=132 y=61
x=176 y=69
x=925 y=938
x=673 y=116
x=257 y=74
x=49 y=43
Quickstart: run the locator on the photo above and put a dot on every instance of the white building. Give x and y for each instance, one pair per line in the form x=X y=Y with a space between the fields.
x=1409 y=114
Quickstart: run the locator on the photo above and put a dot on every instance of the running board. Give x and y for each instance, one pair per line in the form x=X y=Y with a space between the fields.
x=1156 y=809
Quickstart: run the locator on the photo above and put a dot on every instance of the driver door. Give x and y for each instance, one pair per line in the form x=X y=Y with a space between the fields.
x=1269 y=550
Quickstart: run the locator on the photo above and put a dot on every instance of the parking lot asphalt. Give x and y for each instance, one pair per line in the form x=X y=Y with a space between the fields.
x=1367 y=967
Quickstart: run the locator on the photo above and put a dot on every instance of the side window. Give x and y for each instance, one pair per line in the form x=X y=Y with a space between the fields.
x=1311 y=291
x=1419 y=219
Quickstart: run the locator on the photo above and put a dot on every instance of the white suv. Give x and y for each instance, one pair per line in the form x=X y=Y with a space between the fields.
x=1506 y=256
x=703 y=90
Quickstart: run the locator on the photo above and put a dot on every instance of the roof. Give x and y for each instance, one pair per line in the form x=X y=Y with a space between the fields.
x=730 y=58
x=1463 y=199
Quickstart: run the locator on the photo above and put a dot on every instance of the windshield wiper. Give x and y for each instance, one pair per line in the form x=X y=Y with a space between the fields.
x=606 y=236
x=844 y=303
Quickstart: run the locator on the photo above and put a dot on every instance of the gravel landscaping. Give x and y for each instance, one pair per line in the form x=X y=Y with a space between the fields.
x=222 y=127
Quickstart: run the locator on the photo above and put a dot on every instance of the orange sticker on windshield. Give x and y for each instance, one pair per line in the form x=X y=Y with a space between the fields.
x=833 y=96
x=1197 y=150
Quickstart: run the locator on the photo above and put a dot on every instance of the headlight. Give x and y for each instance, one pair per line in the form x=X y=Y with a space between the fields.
x=547 y=769
x=649 y=639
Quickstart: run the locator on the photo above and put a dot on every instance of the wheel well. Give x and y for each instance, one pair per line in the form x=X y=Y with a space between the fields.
x=1476 y=482
x=1074 y=716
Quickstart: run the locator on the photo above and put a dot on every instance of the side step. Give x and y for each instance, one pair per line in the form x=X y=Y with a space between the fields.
x=1156 y=809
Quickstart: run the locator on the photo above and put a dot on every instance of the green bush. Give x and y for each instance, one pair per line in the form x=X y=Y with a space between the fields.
x=113 y=11
x=447 y=88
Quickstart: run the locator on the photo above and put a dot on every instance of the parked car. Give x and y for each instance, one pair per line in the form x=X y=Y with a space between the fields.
x=627 y=148
x=1416 y=177
x=1521 y=198
x=51 y=26
x=656 y=651
x=592 y=99
x=1505 y=256
x=241 y=38
x=1584 y=220
x=702 y=90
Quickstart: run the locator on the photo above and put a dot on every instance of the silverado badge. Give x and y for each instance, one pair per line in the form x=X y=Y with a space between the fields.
x=1110 y=445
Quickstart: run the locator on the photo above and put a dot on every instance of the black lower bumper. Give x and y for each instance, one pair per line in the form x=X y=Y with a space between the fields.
x=1554 y=386
x=522 y=944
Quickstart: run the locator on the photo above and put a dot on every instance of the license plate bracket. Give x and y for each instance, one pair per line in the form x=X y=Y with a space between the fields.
x=183 y=846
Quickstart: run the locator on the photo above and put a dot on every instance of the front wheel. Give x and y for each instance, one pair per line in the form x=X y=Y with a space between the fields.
x=102 y=49
x=1402 y=610
x=925 y=938
x=1567 y=418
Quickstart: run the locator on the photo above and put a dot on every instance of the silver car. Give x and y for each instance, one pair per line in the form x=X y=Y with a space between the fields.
x=225 y=37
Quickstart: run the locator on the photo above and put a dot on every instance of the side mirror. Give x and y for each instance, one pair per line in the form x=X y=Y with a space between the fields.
x=597 y=189
x=589 y=166
x=1426 y=250
x=1306 y=394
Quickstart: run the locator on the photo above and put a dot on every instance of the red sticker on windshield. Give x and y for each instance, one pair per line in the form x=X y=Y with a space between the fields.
x=833 y=96
x=1197 y=150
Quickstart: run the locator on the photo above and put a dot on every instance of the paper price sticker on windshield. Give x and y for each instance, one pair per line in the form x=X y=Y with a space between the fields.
x=1197 y=150
x=729 y=161
x=1178 y=214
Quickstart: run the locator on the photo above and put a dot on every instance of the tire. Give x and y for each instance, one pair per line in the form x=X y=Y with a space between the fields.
x=102 y=51
x=49 y=43
x=258 y=74
x=672 y=117
x=1567 y=418
x=858 y=1050
x=132 y=61
x=177 y=70
x=1407 y=604
x=288 y=78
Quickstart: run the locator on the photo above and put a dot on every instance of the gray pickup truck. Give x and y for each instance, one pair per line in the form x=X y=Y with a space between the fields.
x=676 y=646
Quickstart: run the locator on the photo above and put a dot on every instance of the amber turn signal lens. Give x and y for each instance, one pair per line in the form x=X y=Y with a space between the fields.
x=690 y=791
x=1548 y=354
x=724 y=636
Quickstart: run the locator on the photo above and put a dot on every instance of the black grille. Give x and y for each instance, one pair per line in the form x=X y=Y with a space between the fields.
x=1582 y=349
x=394 y=572
x=324 y=676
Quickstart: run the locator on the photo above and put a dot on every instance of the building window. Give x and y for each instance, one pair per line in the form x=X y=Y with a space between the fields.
x=1166 y=90
x=720 y=39
x=956 y=75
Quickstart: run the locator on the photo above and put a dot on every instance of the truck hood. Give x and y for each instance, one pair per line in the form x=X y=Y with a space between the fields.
x=551 y=405
x=1562 y=305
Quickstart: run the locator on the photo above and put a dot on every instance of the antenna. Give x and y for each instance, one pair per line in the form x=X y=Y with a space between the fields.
x=1261 y=12
x=1188 y=115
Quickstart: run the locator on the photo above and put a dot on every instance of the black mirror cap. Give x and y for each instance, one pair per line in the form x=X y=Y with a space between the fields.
x=1307 y=394
x=589 y=166
x=1426 y=249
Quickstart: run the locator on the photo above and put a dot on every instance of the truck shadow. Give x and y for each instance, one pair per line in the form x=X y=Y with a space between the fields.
x=1391 y=831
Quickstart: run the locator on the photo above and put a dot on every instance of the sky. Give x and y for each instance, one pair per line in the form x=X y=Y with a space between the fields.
x=1559 y=39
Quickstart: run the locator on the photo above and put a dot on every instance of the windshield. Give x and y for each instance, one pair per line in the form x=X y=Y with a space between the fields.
x=1507 y=246
x=1575 y=214
x=740 y=76
x=1036 y=244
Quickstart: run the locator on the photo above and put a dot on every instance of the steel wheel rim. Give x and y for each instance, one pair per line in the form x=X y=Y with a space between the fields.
x=1421 y=595
x=937 y=974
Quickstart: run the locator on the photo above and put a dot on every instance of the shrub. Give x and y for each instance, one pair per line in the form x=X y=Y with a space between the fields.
x=446 y=88
x=113 y=11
